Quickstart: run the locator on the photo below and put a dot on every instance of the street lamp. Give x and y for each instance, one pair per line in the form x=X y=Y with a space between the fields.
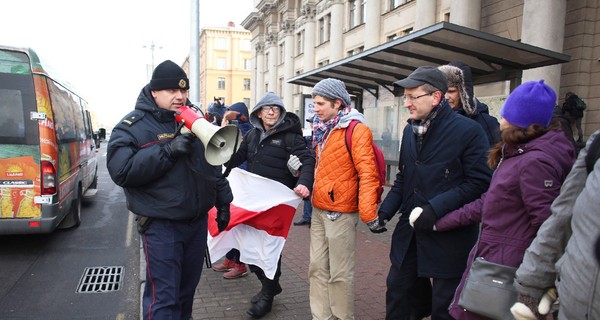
x=152 y=46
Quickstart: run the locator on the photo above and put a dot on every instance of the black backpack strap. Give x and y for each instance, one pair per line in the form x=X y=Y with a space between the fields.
x=593 y=154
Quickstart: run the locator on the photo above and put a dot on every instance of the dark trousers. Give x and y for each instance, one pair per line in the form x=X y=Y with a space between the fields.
x=410 y=297
x=174 y=257
x=268 y=285
x=233 y=255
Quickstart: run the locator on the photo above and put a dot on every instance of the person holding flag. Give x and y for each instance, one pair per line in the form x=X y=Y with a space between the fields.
x=275 y=149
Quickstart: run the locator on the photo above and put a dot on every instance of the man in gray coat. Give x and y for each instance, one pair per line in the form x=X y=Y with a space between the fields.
x=565 y=245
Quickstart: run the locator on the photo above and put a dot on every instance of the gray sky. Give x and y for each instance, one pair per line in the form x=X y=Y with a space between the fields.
x=98 y=46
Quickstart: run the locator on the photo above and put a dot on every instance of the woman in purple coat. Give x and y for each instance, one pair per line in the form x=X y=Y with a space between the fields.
x=531 y=161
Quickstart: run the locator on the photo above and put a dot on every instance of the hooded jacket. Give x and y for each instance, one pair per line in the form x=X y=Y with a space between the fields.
x=471 y=107
x=156 y=185
x=561 y=254
x=267 y=152
x=339 y=177
x=516 y=204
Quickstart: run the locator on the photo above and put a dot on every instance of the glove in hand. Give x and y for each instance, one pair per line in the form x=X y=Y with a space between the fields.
x=423 y=221
x=530 y=308
x=294 y=165
x=180 y=145
x=377 y=226
x=222 y=217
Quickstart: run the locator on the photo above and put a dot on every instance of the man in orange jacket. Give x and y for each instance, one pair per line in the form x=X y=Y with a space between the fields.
x=337 y=204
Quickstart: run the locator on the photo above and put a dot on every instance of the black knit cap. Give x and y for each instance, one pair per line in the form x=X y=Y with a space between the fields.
x=169 y=75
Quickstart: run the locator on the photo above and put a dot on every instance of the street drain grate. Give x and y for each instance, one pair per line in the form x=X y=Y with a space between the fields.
x=100 y=279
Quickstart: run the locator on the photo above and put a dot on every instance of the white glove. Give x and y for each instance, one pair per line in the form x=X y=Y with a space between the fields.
x=294 y=165
x=414 y=215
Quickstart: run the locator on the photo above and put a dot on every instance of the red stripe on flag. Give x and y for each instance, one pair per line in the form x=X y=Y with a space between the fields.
x=275 y=221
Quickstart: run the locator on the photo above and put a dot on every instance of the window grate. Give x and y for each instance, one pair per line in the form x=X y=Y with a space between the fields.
x=100 y=279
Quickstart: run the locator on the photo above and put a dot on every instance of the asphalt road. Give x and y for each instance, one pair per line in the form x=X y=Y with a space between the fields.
x=41 y=275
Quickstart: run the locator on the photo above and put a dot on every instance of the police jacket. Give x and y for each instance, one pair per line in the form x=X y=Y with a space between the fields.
x=268 y=152
x=446 y=170
x=156 y=185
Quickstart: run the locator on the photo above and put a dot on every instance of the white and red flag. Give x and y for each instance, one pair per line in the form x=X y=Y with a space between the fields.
x=262 y=212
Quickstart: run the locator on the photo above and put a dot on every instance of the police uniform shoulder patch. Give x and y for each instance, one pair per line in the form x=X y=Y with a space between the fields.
x=132 y=117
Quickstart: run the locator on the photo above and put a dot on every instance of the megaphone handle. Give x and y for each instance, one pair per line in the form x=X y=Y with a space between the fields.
x=229 y=168
x=178 y=130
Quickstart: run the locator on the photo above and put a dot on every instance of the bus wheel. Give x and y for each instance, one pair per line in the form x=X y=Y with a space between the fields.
x=73 y=218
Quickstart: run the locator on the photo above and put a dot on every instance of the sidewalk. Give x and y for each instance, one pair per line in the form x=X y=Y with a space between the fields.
x=219 y=298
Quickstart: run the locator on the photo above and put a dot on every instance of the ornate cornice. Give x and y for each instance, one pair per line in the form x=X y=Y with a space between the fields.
x=271 y=38
x=259 y=47
x=287 y=26
x=308 y=10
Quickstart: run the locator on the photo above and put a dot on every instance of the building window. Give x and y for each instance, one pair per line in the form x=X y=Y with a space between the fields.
x=221 y=44
x=349 y=53
x=447 y=16
x=363 y=11
x=281 y=52
x=247 y=64
x=352 y=16
x=267 y=61
x=323 y=63
x=266 y=87
x=221 y=83
x=407 y=31
x=280 y=84
x=322 y=30
x=221 y=65
x=246 y=46
x=328 y=29
x=392 y=37
x=360 y=49
x=246 y=84
x=300 y=42
x=298 y=88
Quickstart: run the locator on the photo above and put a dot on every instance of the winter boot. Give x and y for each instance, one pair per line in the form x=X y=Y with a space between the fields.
x=257 y=296
x=225 y=266
x=265 y=302
x=239 y=270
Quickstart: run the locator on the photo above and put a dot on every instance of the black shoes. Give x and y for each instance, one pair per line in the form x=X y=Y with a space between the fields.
x=259 y=295
x=301 y=222
x=261 y=307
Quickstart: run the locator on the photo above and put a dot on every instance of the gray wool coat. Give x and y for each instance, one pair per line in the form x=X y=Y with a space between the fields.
x=562 y=254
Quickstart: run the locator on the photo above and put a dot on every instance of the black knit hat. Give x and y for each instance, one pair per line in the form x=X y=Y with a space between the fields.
x=169 y=75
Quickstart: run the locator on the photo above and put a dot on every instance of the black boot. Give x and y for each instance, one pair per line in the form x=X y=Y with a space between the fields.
x=265 y=302
x=257 y=296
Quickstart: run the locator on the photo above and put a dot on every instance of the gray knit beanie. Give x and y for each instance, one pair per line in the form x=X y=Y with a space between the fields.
x=333 y=89
x=270 y=99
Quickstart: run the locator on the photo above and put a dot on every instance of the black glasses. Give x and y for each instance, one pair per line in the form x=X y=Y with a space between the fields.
x=270 y=108
x=413 y=98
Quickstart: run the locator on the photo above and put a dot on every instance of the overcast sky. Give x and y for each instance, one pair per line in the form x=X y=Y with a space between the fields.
x=102 y=47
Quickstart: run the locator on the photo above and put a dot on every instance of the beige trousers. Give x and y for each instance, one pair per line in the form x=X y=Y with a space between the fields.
x=331 y=268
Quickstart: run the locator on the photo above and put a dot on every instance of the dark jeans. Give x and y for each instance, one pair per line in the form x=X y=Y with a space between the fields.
x=307 y=213
x=410 y=297
x=233 y=255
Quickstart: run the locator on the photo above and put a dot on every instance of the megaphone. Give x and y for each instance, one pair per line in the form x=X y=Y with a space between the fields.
x=220 y=143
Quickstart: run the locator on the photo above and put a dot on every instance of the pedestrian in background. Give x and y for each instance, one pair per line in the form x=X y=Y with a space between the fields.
x=531 y=162
x=171 y=187
x=460 y=96
x=337 y=202
x=275 y=140
x=233 y=268
x=442 y=166
x=573 y=107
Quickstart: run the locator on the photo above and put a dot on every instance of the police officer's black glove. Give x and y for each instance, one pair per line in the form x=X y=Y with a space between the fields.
x=426 y=220
x=222 y=217
x=180 y=145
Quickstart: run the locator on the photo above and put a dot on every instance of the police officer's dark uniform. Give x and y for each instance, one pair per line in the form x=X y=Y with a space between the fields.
x=166 y=178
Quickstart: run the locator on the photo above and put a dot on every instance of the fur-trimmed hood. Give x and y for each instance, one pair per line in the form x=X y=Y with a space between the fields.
x=456 y=78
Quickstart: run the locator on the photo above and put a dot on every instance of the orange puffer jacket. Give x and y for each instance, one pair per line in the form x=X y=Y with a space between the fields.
x=337 y=182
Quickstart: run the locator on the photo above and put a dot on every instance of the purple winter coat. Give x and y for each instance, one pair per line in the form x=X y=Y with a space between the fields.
x=516 y=204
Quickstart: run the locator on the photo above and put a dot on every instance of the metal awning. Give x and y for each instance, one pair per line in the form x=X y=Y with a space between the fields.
x=491 y=58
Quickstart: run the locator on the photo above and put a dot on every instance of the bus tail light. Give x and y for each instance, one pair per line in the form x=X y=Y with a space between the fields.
x=48 y=178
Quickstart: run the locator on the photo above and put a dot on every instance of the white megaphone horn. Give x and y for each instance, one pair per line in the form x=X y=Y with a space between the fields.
x=220 y=143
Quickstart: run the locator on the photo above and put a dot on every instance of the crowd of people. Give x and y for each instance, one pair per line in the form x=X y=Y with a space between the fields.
x=515 y=192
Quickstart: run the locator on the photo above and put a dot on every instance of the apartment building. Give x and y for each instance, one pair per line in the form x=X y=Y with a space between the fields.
x=225 y=65
x=297 y=42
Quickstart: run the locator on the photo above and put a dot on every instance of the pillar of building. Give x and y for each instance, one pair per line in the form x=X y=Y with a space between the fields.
x=544 y=26
x=373 y=24
x=309 y=12
x=288 y=64
x=425 y=14
x=271 y=46
x=466 y=13
x=336 y=31
x=259 y=85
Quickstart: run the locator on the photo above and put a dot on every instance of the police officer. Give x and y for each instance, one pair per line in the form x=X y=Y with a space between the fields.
x=170 y=186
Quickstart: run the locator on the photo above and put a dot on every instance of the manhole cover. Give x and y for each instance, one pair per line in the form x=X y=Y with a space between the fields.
x=100 y=279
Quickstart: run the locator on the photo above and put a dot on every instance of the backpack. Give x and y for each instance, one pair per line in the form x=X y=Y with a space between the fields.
x=379 y=158
x=580 y=104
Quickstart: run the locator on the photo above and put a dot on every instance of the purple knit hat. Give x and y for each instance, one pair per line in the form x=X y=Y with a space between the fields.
x=531 y=102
